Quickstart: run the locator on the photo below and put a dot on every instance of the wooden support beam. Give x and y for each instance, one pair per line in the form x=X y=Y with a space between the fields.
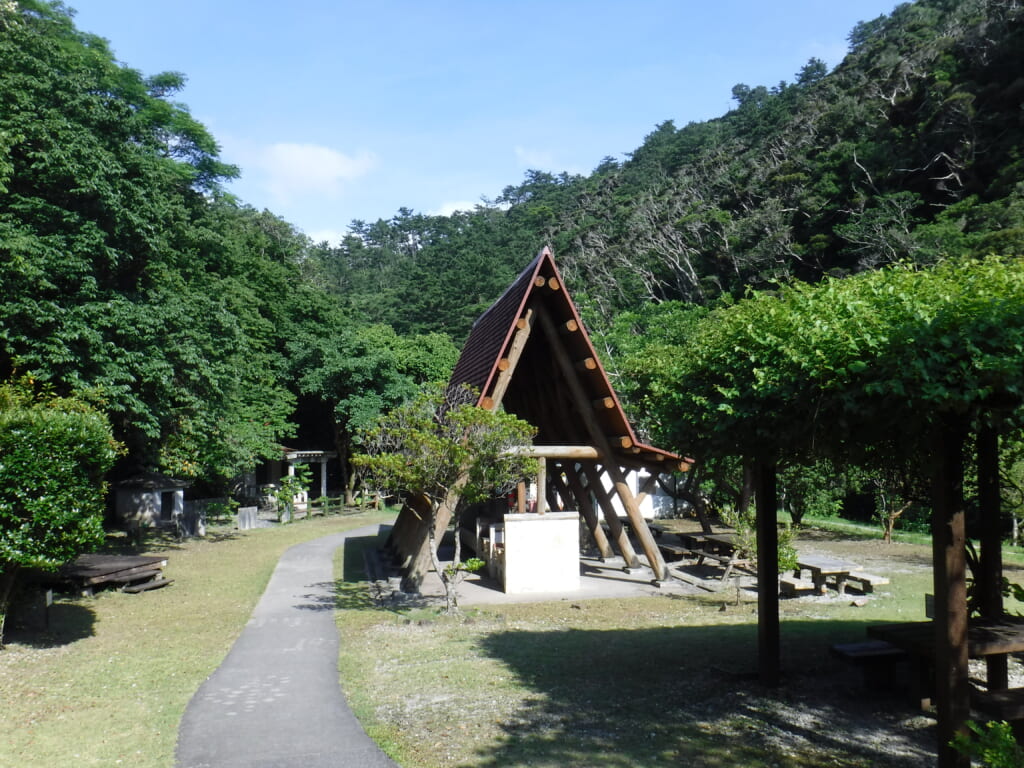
x=521 y=498
x=594 y=485
x=586 y=364
x=542 y=486
x=623 y=442
x=556 y=451
x=603 y=403
x=586 y=509
x=515 y=351
x=597 y=436
x=648 y=485
x=569 y=327
x=559 y=497
x=553 y=284
x=952 y=688
x=539 y=281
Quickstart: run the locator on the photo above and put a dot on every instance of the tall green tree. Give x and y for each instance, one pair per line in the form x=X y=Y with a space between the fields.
x=358 y=372
x=125 y=271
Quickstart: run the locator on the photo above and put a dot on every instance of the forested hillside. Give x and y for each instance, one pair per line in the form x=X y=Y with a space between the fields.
x=910 y=149
x=210 y=332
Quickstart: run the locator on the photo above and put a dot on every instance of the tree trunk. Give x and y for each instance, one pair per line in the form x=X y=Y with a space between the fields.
x=451 y=603
x=7 y=578
x=747 y=491
x=343 y=446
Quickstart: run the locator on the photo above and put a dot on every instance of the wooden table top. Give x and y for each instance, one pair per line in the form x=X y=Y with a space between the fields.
x=721 y=538
x=984 y=637
x=826 y=564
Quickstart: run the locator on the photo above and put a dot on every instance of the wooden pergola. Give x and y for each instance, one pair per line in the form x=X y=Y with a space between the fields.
x=949 y=538
x=530 y=354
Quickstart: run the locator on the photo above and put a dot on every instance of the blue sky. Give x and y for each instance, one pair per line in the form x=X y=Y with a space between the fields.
x=338 y=110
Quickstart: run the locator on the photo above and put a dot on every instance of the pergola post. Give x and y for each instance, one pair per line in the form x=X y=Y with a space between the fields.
x=952 y=692
x=768 y=644
x=990 y=578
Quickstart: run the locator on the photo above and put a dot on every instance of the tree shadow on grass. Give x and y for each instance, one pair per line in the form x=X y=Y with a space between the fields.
x=690 y=696
x=355 y=590
x=62 y=623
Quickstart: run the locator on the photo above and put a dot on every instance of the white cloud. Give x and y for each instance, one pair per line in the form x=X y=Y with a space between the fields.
x=290 y=170
x=447 y=209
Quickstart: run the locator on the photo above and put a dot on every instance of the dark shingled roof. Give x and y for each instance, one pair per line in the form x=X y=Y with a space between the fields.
x=537 y=391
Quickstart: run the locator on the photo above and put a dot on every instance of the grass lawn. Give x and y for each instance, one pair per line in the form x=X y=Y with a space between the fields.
x=605 y=683
x=634 y=682
x=108 y=683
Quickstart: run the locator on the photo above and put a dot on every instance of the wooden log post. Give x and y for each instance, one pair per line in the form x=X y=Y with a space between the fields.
x=615 y=527
x=601 y=442
x=507 y=365
x=767 y=505
x=952 y=690
x=542 y=486
x=645 y=490
x=586 y=509
x=990 y=579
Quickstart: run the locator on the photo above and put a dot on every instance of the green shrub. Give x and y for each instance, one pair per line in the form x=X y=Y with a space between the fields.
x=992 y=745
x=54 y=453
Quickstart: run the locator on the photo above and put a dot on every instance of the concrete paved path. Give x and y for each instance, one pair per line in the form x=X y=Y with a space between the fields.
x=275 y=702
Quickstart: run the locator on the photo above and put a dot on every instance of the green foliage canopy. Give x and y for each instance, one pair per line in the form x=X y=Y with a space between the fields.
x=874 y=359
x=126 y=273
x=440 y=441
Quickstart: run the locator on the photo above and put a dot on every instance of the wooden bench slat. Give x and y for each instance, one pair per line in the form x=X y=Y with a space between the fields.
x=145 y=586
x=1000 y=705
x=865 y=582
x=867 y=651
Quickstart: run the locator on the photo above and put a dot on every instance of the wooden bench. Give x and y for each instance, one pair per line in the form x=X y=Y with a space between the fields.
x=1005 y=705
x=865 y=582
x=792 y=587
x=999 y=705
x=674 y=550
x=876 y=659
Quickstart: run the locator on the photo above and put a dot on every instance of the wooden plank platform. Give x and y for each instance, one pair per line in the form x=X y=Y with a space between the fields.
x=87 y=572
x=145 y=586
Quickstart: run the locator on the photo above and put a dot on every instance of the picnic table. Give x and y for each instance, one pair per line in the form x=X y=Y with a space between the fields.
x=823 y=568
x=718 y=547
x=722 y=548
x=985 y=638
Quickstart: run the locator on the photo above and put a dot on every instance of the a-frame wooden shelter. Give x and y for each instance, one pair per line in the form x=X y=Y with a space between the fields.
x=530 y=354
